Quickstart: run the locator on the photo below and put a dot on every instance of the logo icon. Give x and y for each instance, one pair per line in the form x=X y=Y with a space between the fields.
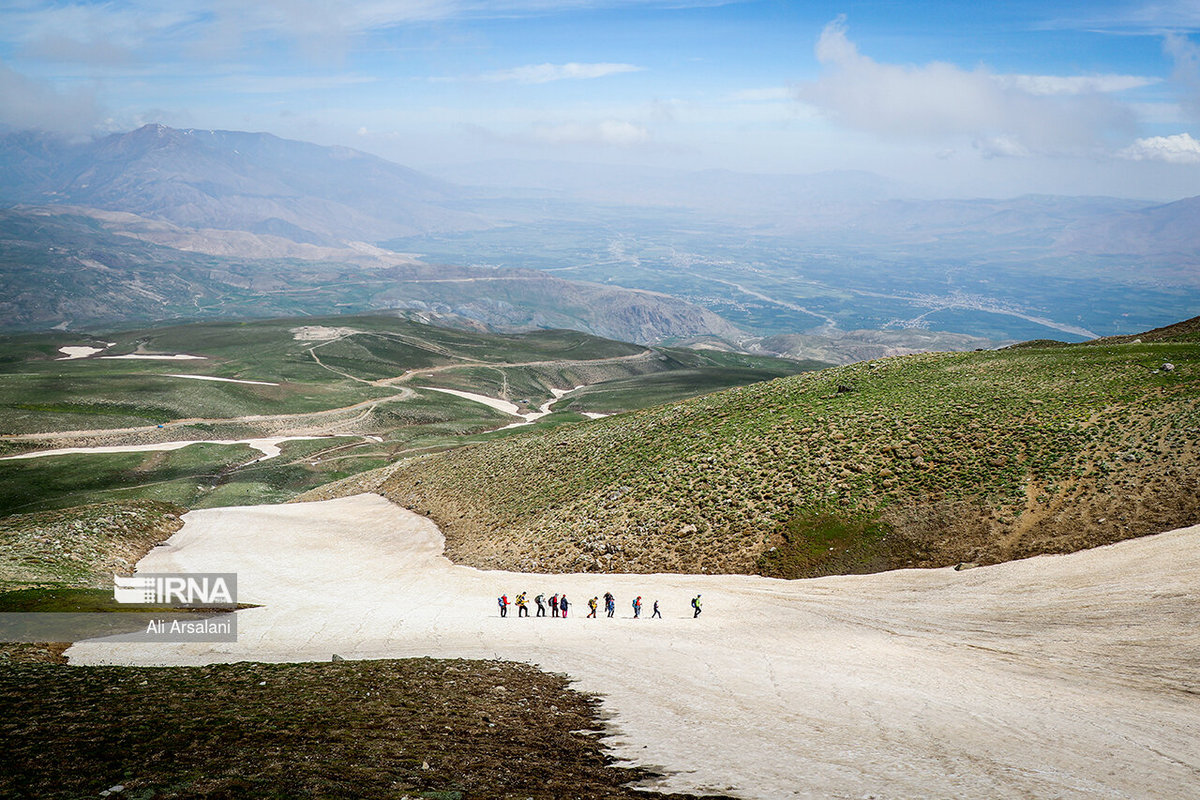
x=212 y=589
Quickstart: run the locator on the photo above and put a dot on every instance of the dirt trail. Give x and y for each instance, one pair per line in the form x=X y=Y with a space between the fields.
x=558 y=363
x=298 y=419
x=306 y=422
x=1059 y=676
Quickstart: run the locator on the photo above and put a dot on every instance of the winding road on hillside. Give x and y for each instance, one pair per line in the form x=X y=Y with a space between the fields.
x=1071 y=676
x=322 y=422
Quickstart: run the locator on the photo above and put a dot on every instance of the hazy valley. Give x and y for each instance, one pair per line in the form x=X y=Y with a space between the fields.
x=236 y=224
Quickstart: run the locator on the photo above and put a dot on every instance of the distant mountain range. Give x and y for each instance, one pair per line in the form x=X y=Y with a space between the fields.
x=262 y=184
x=160 y=223
x=252 y=182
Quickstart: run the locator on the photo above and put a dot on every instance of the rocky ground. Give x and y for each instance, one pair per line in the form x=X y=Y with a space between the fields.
x=416 y=728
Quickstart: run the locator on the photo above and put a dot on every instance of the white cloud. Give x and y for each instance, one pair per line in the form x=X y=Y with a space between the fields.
x=56 y=47
x=1044 y=85
x=616 y=133
x=545 y=73
x=1001 y=147
x=1155 y=17
x=27 y=103
x=103 y=34
x=1178 y=149
x=940 y=101
x=1186 y=74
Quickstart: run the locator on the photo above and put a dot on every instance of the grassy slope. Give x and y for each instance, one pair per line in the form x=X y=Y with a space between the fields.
x=81 y=547
x=39 y=393
x=927 y=460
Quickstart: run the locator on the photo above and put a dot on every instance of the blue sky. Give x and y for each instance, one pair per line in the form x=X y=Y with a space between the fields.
x=985 y=98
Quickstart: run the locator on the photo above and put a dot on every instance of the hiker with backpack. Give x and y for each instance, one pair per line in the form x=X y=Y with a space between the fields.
x=637 y=607
x=656 y=611
x=696 y=606
x=554 y=605
x=522 y=605
x=502 y=600
x=593 y=604
x=563 y=605
x=541 y=604
x=610 y=604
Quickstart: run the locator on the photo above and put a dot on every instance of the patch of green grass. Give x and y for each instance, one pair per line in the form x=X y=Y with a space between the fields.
x=70 y=480
x=810 y=544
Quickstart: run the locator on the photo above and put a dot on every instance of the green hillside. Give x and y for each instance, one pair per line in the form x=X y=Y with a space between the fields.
x=921 y=460
x=359 y=381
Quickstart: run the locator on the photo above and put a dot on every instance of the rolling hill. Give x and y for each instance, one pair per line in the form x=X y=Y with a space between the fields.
x=922 y=460
x=367 y=383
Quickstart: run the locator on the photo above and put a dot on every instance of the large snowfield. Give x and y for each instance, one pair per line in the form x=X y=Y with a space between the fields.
x=1057 y=676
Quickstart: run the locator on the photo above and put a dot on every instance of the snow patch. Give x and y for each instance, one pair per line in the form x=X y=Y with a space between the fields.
x=268 y=447
x=159 y=357
x=512 y=408
x=913 y=683
x=81 y=351
x=223 y=380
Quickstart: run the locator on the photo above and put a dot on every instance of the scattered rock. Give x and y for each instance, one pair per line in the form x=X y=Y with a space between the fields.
x=965 y=565
x=336 y=657
x=1168 y=367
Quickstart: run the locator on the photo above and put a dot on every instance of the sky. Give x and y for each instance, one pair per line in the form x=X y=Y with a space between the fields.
x=972 y=98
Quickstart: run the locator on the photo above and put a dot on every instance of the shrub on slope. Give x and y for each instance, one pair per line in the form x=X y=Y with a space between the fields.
x=915 y=461
x=82 y=546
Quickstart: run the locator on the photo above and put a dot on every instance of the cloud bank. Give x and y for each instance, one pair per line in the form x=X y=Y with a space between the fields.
x=940 y=102
x=26 y=103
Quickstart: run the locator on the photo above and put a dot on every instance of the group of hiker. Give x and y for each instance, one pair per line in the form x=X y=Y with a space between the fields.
x=560 y=605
